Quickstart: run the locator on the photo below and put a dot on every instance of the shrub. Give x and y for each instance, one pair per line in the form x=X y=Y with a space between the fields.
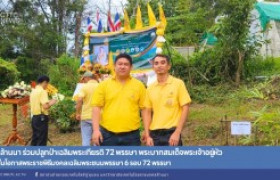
x=64 y=74
x=8 y=73
x=207 y=67
x=268 y=125
x=63 y=113
x=268 y=89
x=31 y=69
x=261 y=67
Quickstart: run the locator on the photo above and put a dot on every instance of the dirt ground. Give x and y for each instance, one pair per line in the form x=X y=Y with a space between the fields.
x=24 y=129
x=202 y=129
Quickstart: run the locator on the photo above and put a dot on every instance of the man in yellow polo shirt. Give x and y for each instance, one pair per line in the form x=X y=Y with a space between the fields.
x=116 y=107
x=40 y=104
x=84 y=108
x=167 y=106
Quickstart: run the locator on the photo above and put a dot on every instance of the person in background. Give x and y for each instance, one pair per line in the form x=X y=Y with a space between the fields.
x=84 y=108
x=40 y=105
x=117 y=102
x=167 y=106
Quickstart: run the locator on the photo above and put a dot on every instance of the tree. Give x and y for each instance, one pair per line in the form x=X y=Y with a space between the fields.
x=78 y=17
x=64 y=74
x=40 y=34
x=42 y=28
x=235 y=46
x=8 y=73
x=233 y=36
x=187 y=20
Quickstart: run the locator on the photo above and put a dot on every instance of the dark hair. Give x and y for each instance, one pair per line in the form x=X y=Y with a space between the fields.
x=123 y=55
x=43 y=78
x=163 y=56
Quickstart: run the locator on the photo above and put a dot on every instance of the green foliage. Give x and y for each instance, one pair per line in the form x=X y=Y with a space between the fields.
x=208 y=65
x=268 y=89
x=131 y=7
x=181 y=70
x=187 y=20
x=34 y=35
x=64 y=74
x=255 y=93
x=228 y=60
x=206 y=132
x=184 y=29
x=246 y=140
x=31 y=69
x=260 y=66
x=211 y=94
x=233 y=58
x=39 y=33
x=63 y=113
x=8 y=73
x=38 y=36
x=268 y=124
x=234 y=46
x=180 y=67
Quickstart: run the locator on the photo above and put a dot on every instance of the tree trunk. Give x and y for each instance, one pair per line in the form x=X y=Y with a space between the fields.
x=239 y=68
x=61 y=15
x=77 y=33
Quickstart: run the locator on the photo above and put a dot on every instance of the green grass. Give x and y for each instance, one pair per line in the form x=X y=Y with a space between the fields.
x=5 y=114
x=203 y=126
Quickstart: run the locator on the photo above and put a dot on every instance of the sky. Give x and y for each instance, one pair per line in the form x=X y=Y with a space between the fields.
x=103 y=6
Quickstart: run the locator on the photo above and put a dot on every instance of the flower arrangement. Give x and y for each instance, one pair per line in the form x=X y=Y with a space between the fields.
x=53 y=93
x=102 y=72
x=51 y=90
x=16 y=91
x=96 y=68
x=105 y=70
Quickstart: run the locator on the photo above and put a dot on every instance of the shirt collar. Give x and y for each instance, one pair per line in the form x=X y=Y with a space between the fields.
x=169 y=80
x=92 y=81
x=39 y=87
x=115 y=77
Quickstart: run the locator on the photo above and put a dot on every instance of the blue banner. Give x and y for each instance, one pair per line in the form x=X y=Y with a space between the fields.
x=140 y=45
x=130 y=162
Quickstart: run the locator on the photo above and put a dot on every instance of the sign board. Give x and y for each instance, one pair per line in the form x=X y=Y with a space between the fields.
x=241 y=128
x=140 y=45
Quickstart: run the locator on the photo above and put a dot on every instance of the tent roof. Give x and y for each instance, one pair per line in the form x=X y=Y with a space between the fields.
x=268 y=11
x=210 y=38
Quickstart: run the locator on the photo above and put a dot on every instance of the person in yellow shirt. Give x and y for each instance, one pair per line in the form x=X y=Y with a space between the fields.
x=84 y=108
x=167 y=106
x=116 y=107
x=40 y=104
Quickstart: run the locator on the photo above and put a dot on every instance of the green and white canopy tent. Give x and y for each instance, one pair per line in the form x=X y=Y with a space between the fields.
x=209 y=39
x=267 y=24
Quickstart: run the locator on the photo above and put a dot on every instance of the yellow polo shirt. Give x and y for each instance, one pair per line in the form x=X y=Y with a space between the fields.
x=38 y=97
x=166 y=102
x=86 y=93
x=121 y=104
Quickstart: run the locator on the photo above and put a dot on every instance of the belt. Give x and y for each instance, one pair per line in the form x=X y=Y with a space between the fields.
x=40 y=115
x=163 y=131
x=119 y=133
